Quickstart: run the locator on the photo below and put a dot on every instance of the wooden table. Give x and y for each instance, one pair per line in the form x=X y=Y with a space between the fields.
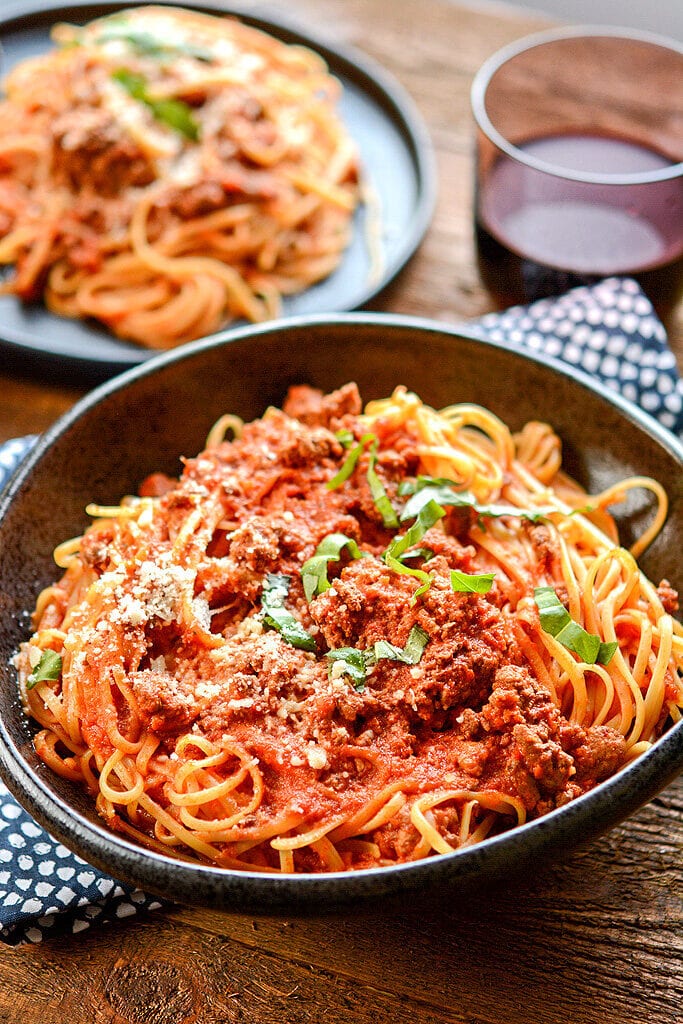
x=596 y=938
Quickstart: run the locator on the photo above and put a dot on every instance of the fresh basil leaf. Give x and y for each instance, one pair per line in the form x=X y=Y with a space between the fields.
x=427 y=515
x=48 y=669
x=421 y=481
x=535 y=515
x=440 y=489
x=357 y=662
x=275 y=615
x=148 y=45
x=349 y=463
x=379 y=495
x=133 y=83
x=314 y=569
x=467 y=583
x=174 y=113
x=407 y=570
x=607 y=651
x=426 y=553
x=556 y=620
x=410 y=654
x=177 y=115
x=345 y=437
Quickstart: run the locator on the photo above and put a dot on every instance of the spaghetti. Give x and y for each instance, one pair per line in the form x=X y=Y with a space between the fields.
x=165 y=172
x=347 y=638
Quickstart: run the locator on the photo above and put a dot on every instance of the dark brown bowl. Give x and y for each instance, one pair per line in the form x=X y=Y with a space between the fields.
x=143 y=420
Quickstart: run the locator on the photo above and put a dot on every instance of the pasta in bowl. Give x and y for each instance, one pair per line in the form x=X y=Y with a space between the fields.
x=354 y=647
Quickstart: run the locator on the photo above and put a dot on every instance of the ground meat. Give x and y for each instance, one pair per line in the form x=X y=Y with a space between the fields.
x=94 y=547
x=543 y=756
x=668 y=596
x=166 y=704
x=319 y=410
x=597 y=752
x=546 y=545
x=92 y=150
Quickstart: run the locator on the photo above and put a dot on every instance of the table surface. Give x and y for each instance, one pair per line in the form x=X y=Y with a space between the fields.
x=597 y=937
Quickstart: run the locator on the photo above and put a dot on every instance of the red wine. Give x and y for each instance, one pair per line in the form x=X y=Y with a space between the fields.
x=539 y=233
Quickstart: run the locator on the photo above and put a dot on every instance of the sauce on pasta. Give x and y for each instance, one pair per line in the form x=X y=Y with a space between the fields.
x=165 y=172
x=349 y=638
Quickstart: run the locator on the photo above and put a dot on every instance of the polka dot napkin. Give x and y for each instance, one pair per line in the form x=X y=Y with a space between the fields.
x=608 y=330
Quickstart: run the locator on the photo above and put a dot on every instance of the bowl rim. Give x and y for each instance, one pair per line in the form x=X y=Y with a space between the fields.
x=598 y=809
x=230 y=335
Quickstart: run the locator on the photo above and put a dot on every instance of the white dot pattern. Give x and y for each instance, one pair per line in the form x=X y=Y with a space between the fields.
x=47 y=890
x=608 y=331
x=611 y=332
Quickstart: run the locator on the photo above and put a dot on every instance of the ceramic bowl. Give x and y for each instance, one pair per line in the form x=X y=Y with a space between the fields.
x=143 y=420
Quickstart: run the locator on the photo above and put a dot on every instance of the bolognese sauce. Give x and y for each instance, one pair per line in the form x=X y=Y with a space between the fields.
x=349 y=638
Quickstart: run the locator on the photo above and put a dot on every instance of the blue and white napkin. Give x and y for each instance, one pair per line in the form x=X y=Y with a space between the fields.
x=608 y=330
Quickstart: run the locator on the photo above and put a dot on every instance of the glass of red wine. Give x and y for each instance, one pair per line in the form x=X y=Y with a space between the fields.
x=580 y=164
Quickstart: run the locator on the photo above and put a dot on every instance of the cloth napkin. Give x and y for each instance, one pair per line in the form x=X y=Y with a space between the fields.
x=608 y=330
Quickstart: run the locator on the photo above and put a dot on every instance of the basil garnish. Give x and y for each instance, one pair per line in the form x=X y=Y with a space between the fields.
x=429 y=513
x=275 y=615
x=345 y=437
x=440 y=489
x=349 y=463
x=148 y=45
x=406 y=570
x=314 y=569
x=379 y=494
x=174 y=113
x=556 y=620
x=467 y=583
x=357 y=662
x=48 y=669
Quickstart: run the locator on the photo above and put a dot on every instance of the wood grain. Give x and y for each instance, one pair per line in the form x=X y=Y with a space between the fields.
x=596 y=939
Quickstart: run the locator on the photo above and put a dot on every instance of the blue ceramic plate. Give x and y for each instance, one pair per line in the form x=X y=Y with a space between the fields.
x=396 y=155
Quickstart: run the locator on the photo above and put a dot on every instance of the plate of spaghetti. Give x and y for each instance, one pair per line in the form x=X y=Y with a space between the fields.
x=166 y=172
x=371 y=631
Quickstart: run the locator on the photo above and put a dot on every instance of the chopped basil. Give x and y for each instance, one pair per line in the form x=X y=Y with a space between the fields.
x=427 y=489
x=349 y=463
x=174 y=113
x=48 y=669
x=357 y=662
x=466 y=583
x=379 y=495
x=428 y=514
x=275 y=615
x=147 y=44
x=410 y=654
x=407 y=570
x=345 y=437
x=440 y=489
x=426 y=553
x=314 y=569
x=556 y=620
